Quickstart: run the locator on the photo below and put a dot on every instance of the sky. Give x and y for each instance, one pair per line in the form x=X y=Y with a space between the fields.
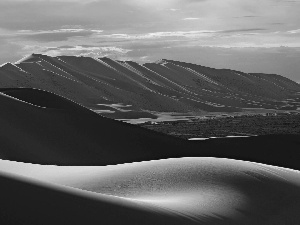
x=246 y=35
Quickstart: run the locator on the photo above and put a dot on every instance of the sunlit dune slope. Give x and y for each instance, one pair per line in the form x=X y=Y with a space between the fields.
x=172 y=191
x=162 y=86
x=41 y=127
x=31 y=202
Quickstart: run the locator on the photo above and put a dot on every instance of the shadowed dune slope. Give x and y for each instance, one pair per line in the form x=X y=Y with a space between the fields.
x=173 y=191
x=72 y=134
x=66 y=133
x=41 y=98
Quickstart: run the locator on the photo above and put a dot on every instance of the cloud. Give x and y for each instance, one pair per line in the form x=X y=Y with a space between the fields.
x=56 y=35
x=37 y=15
x=193 y=1
x=10 y=52
x=294 y=31
x=174 y=35
x=157 y=35
x=191 y=18
x=62 y=47
x=242 y=30
x=86 y=50
x=250 y=16
x=16 y=15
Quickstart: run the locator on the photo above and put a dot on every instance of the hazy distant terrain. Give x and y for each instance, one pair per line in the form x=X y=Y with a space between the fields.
x=245 y=125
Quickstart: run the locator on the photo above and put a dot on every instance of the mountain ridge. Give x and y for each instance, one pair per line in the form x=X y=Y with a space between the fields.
x=150 y=88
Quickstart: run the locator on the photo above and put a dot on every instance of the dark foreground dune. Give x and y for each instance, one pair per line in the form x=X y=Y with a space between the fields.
x=173 y=191
x=45 y=128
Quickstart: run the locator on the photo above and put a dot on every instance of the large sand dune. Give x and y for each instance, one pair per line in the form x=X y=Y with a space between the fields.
x=41 y=127
x=48 y=129
x=172 y=191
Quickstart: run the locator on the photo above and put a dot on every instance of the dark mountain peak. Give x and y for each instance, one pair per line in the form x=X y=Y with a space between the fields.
x=37 y=54
x=105 y=59
x=31 y=58
x=161 y=61
x=7 y=65
x=132 y=63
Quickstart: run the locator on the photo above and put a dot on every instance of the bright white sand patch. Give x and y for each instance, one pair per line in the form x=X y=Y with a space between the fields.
x=231 y=136
x=198 y=139
x=161 y=117
x=103 y=111
x=117 y=107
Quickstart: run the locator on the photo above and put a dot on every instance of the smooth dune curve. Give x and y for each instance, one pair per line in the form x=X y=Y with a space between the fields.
x=26 y=201
x=196 y=190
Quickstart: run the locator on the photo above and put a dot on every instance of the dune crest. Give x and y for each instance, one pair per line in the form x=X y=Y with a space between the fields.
x=196 y=190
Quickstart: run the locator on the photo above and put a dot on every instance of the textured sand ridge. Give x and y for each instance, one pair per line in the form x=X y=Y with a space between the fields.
x=176 y=191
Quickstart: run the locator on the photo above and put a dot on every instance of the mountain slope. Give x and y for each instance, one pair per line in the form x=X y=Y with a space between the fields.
x=163 y=86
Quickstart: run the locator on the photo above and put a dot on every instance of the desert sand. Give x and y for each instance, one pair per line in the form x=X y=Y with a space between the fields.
x=62 y=163
x=171 y=191
x=45 y=128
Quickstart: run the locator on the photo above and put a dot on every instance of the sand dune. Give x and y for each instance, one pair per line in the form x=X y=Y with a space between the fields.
x=45 y=128
x=171 y=191
x=41 y=99
x=26 y=201
x=67 y=133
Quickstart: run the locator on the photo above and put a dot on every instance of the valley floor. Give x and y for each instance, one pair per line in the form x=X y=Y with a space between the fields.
x=250 y=125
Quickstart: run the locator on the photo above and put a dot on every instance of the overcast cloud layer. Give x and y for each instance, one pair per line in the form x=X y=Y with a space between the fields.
x=248 y=35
